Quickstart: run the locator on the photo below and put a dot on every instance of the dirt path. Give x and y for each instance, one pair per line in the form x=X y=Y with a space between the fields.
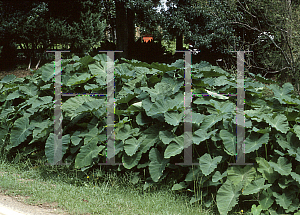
x=16 y=204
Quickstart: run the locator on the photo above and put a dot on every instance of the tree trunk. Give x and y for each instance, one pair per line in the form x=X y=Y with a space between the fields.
x=179 y=42
x=289 y=21
x=121 y=28
x=131 y=31
x=179 y=39
x=288 y=41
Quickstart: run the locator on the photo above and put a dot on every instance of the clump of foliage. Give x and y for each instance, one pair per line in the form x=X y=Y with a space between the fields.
x=148 y=52
x=149 y=129
x=37 y=27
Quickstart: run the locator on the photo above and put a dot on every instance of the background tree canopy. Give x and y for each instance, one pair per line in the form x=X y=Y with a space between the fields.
x=269 y=28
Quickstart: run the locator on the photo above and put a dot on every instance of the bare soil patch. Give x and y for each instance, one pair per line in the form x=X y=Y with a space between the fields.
x=19 y=73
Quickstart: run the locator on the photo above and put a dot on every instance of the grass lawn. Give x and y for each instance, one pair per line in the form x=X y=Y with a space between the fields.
x=97 y=193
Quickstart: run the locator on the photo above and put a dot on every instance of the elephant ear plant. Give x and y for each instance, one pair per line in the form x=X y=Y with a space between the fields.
x=149 y=129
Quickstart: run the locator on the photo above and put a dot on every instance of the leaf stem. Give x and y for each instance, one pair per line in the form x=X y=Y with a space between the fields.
x=266 y=151
x=207 y=147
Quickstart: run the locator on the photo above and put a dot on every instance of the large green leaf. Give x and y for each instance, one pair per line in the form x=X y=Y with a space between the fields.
x=157 y=164
x=160 y=91
x=6 y=112
x=94 y=87
x=101 y=57
x=52 y=147
x=86 y=60
x=200 y=135
x=210 y=121
x=265 y=199
x=297 y=130
x=229 y=141
x=295 y=153
x=90 y=106
x=73 y=103
x=179 y=186
x=207 y=164
x=29 y=89
x=151 y=138
x=256 y=210
x=131 y=161
x=166 y=137
x=132 y=145
x=282 y=166
x=20 y=131
x=8 y=79
x=83 y=78
x=162 y=106
x=223 y=107
x=197 y=118
x=124 y=70
x=283 y=200
x=162 y=67
x=14 y=95
x=37 y=101
x=253 y=142
x=241 y=175
x=282 y=94
x=98 y=70
x=266 y=170
x=125 y=131
x=39 y=128
x=217 y=176
x=296 y=177
x=91 y=136
x=174 y=84
x=173 y=118
x=48 y=71
x=75 y=139
x=227 y=197
x=289 y=142
x=132 y=83
x=175 y=147
x=256 y=186
x=87 y=153
x=280 y=122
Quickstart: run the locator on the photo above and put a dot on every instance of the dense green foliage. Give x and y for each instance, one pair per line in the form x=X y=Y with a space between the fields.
x=34 y=26
x=205 y=25
x=149 y=126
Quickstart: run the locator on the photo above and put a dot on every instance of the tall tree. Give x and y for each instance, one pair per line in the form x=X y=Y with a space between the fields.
x=272 y=26
x=35 y=24
x=125 y=22
x=203 y=23
x=122 y=29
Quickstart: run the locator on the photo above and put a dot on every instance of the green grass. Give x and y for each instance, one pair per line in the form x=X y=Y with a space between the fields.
x=171 y=45
x=95 y=193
